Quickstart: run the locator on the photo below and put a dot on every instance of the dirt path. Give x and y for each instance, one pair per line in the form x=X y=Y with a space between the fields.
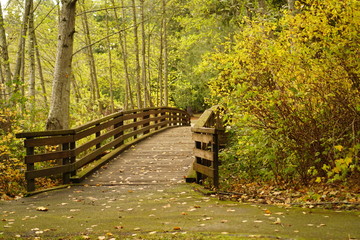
x=142 y=195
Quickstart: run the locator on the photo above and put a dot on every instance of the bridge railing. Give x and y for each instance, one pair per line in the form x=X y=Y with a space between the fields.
x=75 y=153
x=208 y=134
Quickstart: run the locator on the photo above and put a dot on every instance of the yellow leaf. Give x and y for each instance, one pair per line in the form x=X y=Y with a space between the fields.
x=339 y=148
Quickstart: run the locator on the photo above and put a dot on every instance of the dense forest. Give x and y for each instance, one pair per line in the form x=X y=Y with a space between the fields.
x=286 y=74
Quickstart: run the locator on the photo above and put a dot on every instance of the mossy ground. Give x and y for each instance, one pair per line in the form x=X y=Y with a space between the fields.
x=177 y=212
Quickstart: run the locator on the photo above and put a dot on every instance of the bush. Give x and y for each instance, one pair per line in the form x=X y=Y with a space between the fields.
x=12 y=169
x=291 y=88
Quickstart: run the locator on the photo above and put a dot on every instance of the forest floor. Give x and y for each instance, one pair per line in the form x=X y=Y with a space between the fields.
x=142 y=195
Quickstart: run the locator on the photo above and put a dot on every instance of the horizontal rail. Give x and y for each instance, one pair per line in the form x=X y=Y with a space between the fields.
x=69 y=152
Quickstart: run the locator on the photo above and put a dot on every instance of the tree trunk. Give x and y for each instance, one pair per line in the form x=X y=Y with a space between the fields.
x=166 y=93
x=110 y=64
x=31 y=87
x=91 y=59
x=128 y=101
x=5 y=56
x=143 y=57
x=159 y=97
x=291 y=5
x=60 y=100
x=137 y=60
x=20 y=53
x=41 y=76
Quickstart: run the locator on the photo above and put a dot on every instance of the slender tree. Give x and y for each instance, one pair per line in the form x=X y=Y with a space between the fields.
x=20 y=52
x=91 y=59
x=143 y=57
x=60 y=100
x=31 y=87
x=137 y=60
x=165 y=51
x=111 y=81
x=5 y=56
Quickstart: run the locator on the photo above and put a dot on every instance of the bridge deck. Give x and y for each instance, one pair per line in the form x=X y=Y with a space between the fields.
x=160 y=159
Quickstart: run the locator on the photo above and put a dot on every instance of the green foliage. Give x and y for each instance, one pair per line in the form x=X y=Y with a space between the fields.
x=11 y=167
x=292 y=86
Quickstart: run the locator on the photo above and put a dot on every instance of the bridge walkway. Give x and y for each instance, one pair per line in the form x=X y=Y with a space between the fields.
x=163 y=158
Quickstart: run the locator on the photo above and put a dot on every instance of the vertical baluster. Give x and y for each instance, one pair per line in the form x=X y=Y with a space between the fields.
x=215 y=151
x=118 y=125
x=148 y=123
x=66 y=161
x=98 y=134
x=30 y=182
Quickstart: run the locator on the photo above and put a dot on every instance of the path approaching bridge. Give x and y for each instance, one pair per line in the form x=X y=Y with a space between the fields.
x=141 y=193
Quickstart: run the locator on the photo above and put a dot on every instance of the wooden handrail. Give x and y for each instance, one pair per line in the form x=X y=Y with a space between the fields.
x=207 y=131
x=95 y=142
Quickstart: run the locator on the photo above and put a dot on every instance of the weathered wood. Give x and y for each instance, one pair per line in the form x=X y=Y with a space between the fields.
x=208 y=155
x=205 y=135
x=208 y=171
x=45 y=133
x=48 y=156
x=49 y=171
x=144 y=122
x=55 y=140
x=203 y=130
x=204 y=138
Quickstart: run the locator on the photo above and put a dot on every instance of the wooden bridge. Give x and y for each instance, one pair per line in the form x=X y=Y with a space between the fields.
x=73 y=154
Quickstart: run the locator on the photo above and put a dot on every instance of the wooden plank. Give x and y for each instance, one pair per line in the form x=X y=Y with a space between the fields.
x=81 y=134
x=203 y=130
x=48 y=171
x=45 y=133
x=208 y=171
x=204 y=154
x=55 y=140
x=49 y=156
x=93 y=123
x=204 y=138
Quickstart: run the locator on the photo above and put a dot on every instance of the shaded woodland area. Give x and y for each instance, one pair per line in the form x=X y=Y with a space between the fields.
x=286 y=72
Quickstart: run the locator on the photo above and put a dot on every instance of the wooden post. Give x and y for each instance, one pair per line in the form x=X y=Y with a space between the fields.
x=30 y=183
x=199 y=176
x=146 y=124
x=72 y=159
x=135 y=128
x=117 y=125
x=65 y=161
x=215 y=150
x=97 y=134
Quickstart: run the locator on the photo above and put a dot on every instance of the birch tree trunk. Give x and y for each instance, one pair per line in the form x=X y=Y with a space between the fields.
x=110 y=64
x=31 y=89
x=143 y=57
x=137 y=60
x=60 y=100
x=41 y=75
x=5 y=56
x=165 y=45
x=291 y=5
x=90 y=56
x=20 y=53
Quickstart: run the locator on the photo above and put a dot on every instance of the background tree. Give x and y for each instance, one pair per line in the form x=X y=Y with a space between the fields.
x=60 y=101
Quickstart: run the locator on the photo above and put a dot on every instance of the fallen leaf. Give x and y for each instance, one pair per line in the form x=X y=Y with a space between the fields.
x=42 y=209
x=278 y=221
